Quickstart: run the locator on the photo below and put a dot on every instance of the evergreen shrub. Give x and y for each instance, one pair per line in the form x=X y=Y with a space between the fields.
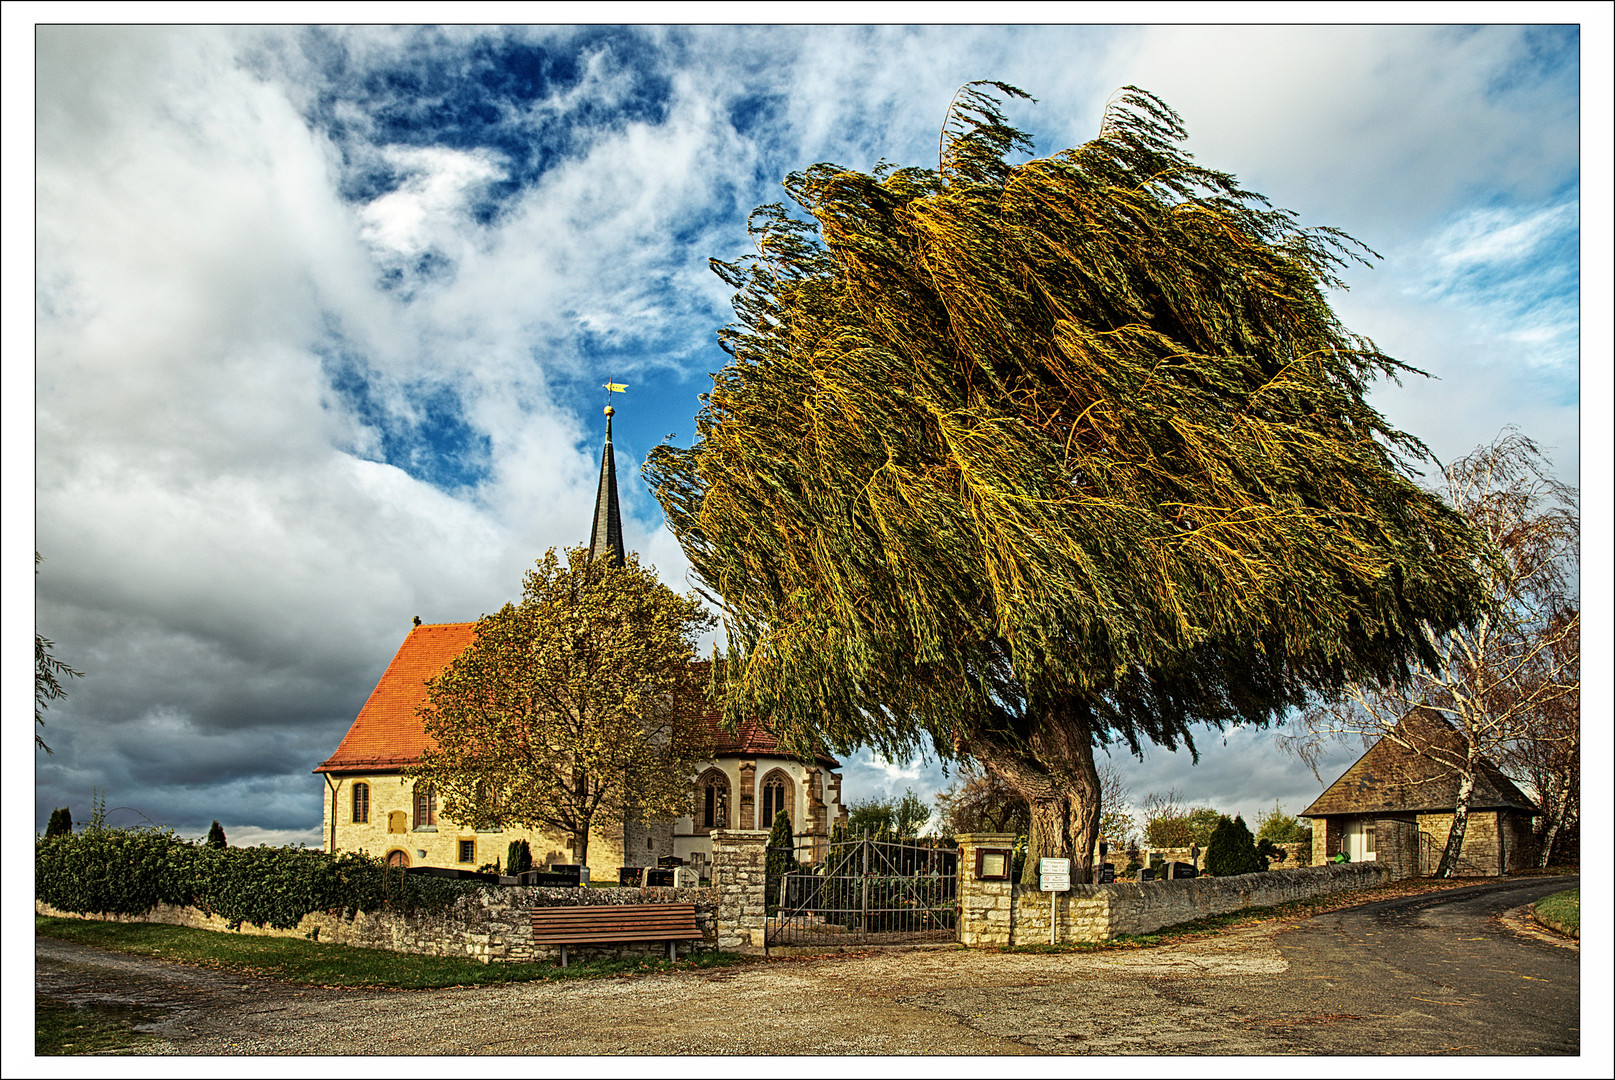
x=61 y=822
x=1232 y=849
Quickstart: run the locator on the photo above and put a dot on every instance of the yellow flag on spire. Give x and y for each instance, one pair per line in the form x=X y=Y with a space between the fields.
x=616 y=387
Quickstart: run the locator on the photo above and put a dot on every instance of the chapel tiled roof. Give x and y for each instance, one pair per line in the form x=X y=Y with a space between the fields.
x=389 y=735
x=1391 y=778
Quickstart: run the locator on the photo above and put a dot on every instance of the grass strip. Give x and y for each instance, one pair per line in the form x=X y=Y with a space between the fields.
x=1561 y=912
x=300 y=961
x=61 y=1028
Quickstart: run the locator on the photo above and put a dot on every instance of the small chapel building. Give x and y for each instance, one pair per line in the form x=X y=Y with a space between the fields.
x=1395 y=805
x=370 y=806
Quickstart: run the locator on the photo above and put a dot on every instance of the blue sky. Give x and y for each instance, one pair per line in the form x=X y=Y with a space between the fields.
x=321 y=318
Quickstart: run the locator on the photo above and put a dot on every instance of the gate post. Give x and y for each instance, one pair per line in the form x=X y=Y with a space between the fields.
x=986 y=915
x=740 y=874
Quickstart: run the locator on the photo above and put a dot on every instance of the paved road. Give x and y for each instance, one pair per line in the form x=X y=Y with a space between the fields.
x=1436 y=974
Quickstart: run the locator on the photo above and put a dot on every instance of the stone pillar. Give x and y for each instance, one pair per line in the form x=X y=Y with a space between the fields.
x=986 y=914
x=740 y=878
x=1325 y=839
x=748 y=796
x=818 y=826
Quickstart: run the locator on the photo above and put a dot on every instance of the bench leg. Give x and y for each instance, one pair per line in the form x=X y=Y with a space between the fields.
x=563 y=956
x=671 y=954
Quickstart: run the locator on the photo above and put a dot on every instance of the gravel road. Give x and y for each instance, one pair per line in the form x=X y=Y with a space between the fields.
x=1272 y=989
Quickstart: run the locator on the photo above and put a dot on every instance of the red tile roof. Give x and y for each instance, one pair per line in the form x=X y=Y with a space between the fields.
x=388 y=735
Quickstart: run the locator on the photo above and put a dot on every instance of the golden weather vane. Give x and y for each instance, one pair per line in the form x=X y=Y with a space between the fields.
x=614 y=388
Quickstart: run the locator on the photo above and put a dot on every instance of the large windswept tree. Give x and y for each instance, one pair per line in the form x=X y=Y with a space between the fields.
x=1022 y=459
x=577 y=706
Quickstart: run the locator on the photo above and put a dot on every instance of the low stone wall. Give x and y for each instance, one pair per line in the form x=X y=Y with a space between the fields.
x=1001 y=913
x=492 y=924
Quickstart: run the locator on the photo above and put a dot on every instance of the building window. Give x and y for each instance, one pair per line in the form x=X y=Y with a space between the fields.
x=776 y=794
x=712 y=804
x=1368 y=837
x=361 y=804
x=468 y=851
x=425 y=806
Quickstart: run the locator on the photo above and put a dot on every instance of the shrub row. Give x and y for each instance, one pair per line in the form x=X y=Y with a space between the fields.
x=102 y=871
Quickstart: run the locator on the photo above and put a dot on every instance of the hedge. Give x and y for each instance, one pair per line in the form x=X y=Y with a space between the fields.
x=129 y=871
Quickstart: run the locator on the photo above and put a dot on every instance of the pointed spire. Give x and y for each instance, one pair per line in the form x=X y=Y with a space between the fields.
x=605 y=539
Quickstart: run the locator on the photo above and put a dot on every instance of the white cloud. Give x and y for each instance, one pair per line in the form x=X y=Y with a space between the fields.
x=224 y=535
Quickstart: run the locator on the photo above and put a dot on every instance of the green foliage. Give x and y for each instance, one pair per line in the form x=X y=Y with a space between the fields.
x=61 y=1028
x=215 y=836
x=1232 y=849
x=323 y=964
x=781 y=846
x=128 y=871
x=1561 y=911
x=1281 y=828
x=889 y=818
x=578 y=704
x=518 y=857
x=1168 y=823
x=1014 y=458
x=61 y=822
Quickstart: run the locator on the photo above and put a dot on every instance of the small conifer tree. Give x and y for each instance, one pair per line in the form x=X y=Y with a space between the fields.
x=1232 y=849
x=215 y=836
x=781 y=857
x=518 y=857
x=60 y=824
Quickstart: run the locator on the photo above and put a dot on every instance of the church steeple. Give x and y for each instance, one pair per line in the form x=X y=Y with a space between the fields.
x=605 y=539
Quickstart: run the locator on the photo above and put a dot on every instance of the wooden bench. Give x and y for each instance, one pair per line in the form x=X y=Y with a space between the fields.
x=615 y=924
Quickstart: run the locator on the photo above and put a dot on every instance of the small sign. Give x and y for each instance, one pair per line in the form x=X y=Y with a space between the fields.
x=1054 y=875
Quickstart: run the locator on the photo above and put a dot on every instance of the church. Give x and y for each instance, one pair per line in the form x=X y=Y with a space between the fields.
x=371 y=806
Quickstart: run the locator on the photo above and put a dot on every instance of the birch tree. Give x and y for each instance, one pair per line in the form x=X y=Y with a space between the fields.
x=1019 y=459
x=1509 y=681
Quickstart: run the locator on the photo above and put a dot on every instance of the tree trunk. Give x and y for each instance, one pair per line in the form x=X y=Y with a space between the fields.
x=1054 y=772
x=1554 y=806
x=1460 y=822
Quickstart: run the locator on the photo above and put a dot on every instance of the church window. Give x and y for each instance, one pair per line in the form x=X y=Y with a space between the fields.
x=361 y=803
x=425 y=806
x=775 y=795
x=712 y=801
x=468 y=851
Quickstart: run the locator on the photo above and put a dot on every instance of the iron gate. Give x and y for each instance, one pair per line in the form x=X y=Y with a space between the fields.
x=862 y=892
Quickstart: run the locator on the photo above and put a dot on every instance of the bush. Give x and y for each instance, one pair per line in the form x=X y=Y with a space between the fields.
x=215 y=836
x=1280 y=828
x=129 y=871
x=518 y=857
x=1232 y=849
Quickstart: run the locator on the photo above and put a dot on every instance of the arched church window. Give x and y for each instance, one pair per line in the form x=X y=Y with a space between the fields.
x=776 y=797
x=712 y=801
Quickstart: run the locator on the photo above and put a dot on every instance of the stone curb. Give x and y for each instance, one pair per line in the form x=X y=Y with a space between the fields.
x=1522 y=920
